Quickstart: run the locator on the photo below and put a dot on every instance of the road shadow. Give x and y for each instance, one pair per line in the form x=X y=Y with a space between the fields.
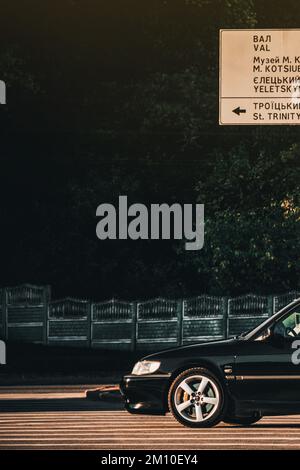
x=58 y=404
x=263 y=426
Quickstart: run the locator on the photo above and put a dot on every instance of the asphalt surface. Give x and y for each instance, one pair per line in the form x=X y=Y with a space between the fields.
x=62 y=418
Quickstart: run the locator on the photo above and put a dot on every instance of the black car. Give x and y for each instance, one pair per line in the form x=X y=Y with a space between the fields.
x=237 y=380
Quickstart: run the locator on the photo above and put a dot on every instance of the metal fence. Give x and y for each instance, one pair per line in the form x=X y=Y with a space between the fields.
x=25 y=313
x=204 y=318
x=157 y=323
x=113 y=325
x=28 y=314
x=281 y=300
x=68 y=322
x=246 y=312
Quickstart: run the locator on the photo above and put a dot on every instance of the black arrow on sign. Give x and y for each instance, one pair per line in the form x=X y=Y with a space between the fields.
x=238 y=111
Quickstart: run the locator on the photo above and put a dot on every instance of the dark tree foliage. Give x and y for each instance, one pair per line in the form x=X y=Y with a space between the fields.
x=112 y=97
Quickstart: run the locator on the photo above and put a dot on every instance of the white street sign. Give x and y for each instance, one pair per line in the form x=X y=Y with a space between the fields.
x=259 y=77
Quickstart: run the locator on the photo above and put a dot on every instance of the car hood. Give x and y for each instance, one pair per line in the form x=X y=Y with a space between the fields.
x=213 y=346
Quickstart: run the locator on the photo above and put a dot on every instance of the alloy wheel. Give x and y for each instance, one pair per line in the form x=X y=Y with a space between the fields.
x=196 y=398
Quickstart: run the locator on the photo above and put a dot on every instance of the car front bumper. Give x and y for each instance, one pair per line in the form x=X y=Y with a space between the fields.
x=145 y=393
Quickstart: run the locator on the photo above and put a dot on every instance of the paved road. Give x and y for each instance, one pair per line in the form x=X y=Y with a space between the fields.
x=61 y=418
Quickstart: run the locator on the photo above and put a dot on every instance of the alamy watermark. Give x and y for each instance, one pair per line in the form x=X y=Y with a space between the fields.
x=2 y=352
x=159 y=222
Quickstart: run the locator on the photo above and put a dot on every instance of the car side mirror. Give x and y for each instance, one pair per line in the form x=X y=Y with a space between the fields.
x=266 y=334
x=277 y=338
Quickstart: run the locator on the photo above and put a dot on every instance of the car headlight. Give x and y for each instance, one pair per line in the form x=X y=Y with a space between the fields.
x=145 y=367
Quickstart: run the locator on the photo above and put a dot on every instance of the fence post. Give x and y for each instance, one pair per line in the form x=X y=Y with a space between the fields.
x=47 y=325
x=4 y=314
x=271 y=305
x=134 y=327
x=180 y=322
x=225 y=308
x=89 y=325
x=46 y=296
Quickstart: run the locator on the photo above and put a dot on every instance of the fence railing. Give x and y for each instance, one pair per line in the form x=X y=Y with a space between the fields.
x=68 y=322
x=246 y=312
x=157 y=323
x=204 y=318
x=24 y=313
x=113 y=325
x=28 y=314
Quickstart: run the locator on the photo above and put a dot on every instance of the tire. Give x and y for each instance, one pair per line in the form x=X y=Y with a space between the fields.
x=242 y=420
x=197 y=399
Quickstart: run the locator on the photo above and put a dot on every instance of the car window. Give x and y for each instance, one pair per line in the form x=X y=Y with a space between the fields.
x=288 y=326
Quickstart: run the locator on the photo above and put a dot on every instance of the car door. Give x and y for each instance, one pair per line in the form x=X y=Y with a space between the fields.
x=265 y=368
